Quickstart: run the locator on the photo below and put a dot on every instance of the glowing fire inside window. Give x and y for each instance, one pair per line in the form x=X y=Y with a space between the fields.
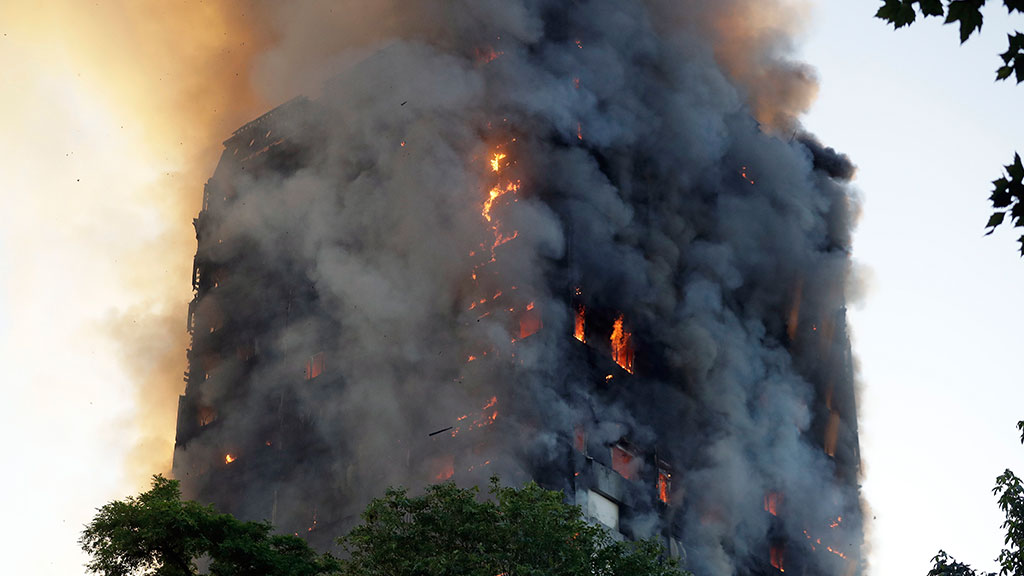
x=315 y=366
x=664 y=485
x=772 y=502
x=622 y=346
x=776 y=554
x=445 y=468
x=580 y=324
x=530 y=321
x=622 y=461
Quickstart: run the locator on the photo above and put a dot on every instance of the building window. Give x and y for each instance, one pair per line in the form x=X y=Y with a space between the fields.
x=772 y=502
x=579 y=328
x=443 y=467
x=776 y=555
x=603 y=510
x=624 y=461
x=580 y=442
x=206 y=415
x=664 y=485
x=315 y=366
x=530 y=321
x=832 y=433
x=622 y=346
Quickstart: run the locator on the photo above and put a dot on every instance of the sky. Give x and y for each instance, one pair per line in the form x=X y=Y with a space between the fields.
x=937 y=332
x=106 y=147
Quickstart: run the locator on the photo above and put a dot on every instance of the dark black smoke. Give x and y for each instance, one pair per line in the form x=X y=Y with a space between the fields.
x=645 y=182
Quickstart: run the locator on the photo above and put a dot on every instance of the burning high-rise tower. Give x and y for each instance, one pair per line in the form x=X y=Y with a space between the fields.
x=552 y=243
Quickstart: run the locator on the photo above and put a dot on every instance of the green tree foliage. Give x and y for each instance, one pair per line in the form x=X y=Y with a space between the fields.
x=158 y=534
x=946 y=566
x=1009 y=490
x=1008 y=192
x=518 y=532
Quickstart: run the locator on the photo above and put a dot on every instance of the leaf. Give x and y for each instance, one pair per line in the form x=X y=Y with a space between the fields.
x=968 y=13
x=1016 y=170
x=1001 y=197
x=897 y=13
x=1004 y=72
x=934 y=7
x=995 y=220
x=1014 y=5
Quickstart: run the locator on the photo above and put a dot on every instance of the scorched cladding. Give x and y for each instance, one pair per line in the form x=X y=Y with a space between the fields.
x=630 y=293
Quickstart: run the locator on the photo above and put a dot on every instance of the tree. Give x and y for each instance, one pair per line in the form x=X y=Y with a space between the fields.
x=446 y=532
x=157 y=534
x=519 y=532
x=1010 y=493
x=1008 y=191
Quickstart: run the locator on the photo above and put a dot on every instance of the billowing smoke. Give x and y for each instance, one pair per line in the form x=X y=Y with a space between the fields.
x=391 y=273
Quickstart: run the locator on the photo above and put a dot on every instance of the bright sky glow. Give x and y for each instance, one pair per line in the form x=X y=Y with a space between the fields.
x=88 y=187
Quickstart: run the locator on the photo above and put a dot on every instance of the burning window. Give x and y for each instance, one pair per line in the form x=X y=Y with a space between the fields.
x=772 y=502
x=623 y=461
x=832 y=433
x=315 y=366
x=622 y=346
x=664 y=483
x=444 y=467
x=530 y=321
x=775 y=555
x=579 y=330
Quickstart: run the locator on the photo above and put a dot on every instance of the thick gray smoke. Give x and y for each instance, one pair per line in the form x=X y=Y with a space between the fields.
x=646 y=188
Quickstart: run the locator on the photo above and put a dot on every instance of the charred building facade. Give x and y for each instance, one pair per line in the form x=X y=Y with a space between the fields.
x=613 y=281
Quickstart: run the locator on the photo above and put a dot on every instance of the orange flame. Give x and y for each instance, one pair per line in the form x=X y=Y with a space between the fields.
x=228 y=458
x=772 y=500
x=663 y=486
x=530 y=321
x=776 y=555
x=622 y=346
x=496 y=161
x=579 y=324
x=487 y=55
x=446 y=468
